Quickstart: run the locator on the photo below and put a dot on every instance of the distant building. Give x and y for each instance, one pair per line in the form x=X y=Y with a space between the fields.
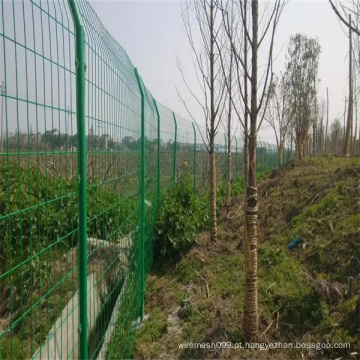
x=104 y=142
x=53 y=132
x=92 y=142
x=128 y=142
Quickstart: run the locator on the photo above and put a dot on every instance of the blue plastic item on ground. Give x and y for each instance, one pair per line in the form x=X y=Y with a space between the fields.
x=294 y=243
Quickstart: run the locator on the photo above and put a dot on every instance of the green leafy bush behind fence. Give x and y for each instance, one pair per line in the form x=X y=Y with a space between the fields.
x=42 y=251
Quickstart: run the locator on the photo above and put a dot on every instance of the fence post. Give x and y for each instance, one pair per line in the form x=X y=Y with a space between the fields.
x=82 y=211
x=158 y=154
x=142 y=221
x=226 y=163
x=236 y=159
x=175 y=148
x=194 y=159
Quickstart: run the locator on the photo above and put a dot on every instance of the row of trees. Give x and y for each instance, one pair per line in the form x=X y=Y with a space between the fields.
x=227 y=72
x=349 y=15
x=293 y=96
x=297 y=115
x=236 y=90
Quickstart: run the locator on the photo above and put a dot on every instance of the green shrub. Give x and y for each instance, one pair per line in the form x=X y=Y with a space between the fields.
x=221 y=189
x=181 y=218
x=238 y=187
x=44 y=214
x=110 y=215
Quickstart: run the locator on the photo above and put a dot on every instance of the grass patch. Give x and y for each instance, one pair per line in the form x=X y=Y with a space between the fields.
x=296 y=287
x=153 y=328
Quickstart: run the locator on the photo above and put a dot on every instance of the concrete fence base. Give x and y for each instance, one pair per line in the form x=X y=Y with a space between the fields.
x=62 y=339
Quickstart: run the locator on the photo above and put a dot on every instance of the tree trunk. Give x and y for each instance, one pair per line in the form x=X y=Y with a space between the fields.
x=281 y=152
x=356 y=124
x=314 y=139
x=213 y=227
x=308 y=148
x=250 y=320
x=246 y=156
x=246 y=126
x=297 y=151
x=327 y=119
x=301 y=151
x=229 y=173
x=229 y=135
x=229 y=179
x=351 y=139
x=346 y=150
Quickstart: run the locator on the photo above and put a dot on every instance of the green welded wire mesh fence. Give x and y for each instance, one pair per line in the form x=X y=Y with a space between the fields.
x=86 y=156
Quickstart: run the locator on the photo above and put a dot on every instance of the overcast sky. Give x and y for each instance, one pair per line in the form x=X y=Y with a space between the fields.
x=152 y=34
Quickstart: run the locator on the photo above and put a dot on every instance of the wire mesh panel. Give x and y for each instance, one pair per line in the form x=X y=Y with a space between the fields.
x=134 y=150
x=113 y=133
x=240 y=157
x=38 y=164
x=167 y=141
x=262 y=157
x=202 y=158
x=234 y=158
x=276 y=157
x=185 y=147
x=267 y=157
x=221 y=156
x=151 y=175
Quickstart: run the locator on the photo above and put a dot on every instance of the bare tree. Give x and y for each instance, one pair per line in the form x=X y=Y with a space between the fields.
x=348 y=137
x=227 y=65
x=320 y=138
x=350 y=10
x=336 y=134
x=206 y=61
x=258 y=98
x=246 y=98
x=301 y=79
x=356 y=90
x=356 y=126
x=327 y=120
x=229 y=128
x=352 y=25
x=230 y=12
x=277 y=115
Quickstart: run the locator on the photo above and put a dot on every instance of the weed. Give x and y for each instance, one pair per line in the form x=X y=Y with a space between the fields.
x=182 y=216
